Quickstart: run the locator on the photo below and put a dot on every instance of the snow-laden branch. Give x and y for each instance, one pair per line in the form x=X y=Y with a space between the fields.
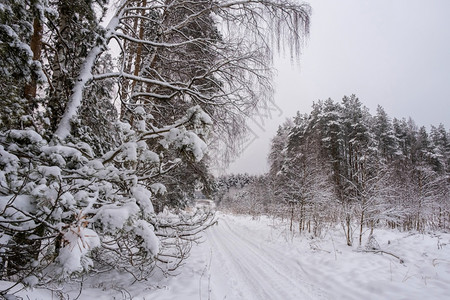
x=176 y=86
x=155 y=44
x=85 y=76
x=281 y=13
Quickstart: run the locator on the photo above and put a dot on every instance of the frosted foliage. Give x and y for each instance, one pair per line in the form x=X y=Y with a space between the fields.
x=149 y=156
x=143 y=197
x=64 y=151
x=47 y=195
x=28 y=135
x=205 y=118
x=145 y=155
x=2 y=179
x=147 y=233
x=24 y=203
x=139 y=111
x=196 y=145
x=181 y=138
x=372 y=243
x=96 y=164
x=201 y=121
x=130 y=152
x=68 y=200
x=82 y=197
x=137 y=151
x=8 y=161
x=114 y=217
x=50 y=171
x=78 y=242
x=124 y=127
x=158 y=188
x=30 y=281
x=141 y=125
x=61 y=155
x=83 y=147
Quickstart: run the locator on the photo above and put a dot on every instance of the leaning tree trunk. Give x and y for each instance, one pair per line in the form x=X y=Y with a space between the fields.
x=64 y=126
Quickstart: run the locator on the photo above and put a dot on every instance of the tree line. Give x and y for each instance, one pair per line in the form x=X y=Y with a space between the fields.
x=341 y=165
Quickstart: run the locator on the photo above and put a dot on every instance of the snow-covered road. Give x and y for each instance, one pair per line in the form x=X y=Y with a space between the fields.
x=255 y=269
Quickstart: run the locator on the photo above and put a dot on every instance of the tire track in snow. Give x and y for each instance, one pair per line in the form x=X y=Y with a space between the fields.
x=250 y=279
x=289 y=267
x=257 y=272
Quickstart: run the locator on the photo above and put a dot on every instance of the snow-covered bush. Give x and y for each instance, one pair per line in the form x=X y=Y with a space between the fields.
x=66 y=211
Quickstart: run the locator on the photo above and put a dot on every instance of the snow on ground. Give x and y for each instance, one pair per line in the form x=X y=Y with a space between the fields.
x=243 y=258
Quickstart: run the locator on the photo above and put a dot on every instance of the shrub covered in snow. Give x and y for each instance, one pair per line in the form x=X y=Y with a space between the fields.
x=65 y=211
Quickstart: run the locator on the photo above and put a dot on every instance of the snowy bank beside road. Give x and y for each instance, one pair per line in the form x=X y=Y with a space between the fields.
x=243 y=258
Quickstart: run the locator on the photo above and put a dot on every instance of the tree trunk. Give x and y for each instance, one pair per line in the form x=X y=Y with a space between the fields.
x=300 y=223
x=137 y=62
x=371 y=227
x=348 y=223
x=36 y=47
x=71 y=110
x=361 y=222
x=292 y=217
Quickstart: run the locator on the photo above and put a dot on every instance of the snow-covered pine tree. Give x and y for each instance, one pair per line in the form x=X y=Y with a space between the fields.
x=384 y=134
x=21 y=69
x=278 y=147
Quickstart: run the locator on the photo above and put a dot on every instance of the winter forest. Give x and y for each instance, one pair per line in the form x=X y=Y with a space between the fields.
x=114 y=115
x=341 y=165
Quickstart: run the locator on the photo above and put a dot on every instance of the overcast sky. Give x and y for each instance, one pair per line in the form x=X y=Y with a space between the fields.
x=395 y=53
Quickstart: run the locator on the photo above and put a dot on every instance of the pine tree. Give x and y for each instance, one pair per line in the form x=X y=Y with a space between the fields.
x=21 y=70
x=384 y=135
x=278 y=148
